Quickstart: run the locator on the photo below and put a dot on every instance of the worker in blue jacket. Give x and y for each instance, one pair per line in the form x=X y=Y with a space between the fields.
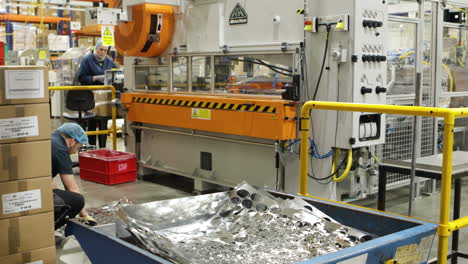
x=92 y=71
x=94 y=66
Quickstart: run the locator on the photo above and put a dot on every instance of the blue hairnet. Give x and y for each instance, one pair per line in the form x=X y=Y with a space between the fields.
x=98 y=44
x=74 y=131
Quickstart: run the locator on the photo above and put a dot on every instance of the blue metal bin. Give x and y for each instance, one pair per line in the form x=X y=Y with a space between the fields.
x=398 y=237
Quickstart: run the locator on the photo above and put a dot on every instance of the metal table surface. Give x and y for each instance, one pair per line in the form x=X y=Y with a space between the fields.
x=429 y=167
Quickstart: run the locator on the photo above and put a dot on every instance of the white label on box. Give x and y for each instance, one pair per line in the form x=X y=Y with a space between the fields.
x=24 y=84
x=36 y=262
x=75 y=25
x=21 y=201
x=19 y=127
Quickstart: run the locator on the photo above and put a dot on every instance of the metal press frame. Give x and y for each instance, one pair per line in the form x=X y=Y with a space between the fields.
x=113 y=130
x=446 y=227
x=211 y=76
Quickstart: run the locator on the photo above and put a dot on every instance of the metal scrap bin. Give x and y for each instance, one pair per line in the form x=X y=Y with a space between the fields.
x=400 y=237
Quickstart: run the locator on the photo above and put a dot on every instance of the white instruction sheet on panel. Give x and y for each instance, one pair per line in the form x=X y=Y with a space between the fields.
x=24 y=84
x=362 y=259
x=21 y=201
x=27 y=126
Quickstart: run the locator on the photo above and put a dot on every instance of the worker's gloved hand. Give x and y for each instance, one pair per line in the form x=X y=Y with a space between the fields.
x=88 y=220
x=98 y=78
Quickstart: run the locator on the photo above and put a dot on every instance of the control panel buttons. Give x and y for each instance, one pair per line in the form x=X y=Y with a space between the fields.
x=380 y=89
x=365 y=90
x=372 y=23
x=373 y=58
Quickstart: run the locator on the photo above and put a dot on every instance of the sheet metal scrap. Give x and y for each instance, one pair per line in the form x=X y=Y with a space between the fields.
x=107 y=214
x=245 y=225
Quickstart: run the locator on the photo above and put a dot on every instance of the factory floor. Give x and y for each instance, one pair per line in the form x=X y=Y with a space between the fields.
x=169 y=186
x=426 y=208
x=96 y=195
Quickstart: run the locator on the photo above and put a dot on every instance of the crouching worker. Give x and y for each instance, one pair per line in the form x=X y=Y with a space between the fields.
x=68 y=203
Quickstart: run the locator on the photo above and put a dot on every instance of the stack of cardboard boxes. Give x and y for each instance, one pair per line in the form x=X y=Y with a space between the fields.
x=26 y=203
x=24 y=36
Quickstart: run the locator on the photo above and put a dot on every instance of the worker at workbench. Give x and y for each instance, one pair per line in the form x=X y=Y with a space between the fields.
x=92 y=71
x=68 y=203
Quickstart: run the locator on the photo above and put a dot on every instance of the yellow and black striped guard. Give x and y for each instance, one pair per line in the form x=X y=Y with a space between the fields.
x=207 y=105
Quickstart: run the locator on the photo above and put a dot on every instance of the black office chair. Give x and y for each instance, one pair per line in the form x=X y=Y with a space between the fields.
x=80 y=102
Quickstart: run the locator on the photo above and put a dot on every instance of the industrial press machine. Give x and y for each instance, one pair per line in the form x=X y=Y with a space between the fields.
x=214 y=89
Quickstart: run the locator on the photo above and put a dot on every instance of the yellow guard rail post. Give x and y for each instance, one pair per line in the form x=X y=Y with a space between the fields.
x=445 y=226
x=113 y=130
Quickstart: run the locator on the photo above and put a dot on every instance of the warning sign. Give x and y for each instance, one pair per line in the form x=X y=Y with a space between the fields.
x=238 y=16
x=201 y=113
x=42 y=55
x=107 y=35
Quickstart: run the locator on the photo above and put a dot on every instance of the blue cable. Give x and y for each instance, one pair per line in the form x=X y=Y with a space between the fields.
x=275 y=81
x=316 y=154
x=314 y=149
x=293 y=142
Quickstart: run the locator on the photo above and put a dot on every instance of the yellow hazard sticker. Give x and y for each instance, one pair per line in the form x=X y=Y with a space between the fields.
x=198 y=113
x=107 y=35
x=42 y=55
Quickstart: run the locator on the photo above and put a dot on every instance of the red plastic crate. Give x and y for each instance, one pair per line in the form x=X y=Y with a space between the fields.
x=2 y=53
x=108 y=179
x=107 y=166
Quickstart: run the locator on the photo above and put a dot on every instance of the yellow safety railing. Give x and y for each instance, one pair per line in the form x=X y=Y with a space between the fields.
x=113 y=130
x=446 y=227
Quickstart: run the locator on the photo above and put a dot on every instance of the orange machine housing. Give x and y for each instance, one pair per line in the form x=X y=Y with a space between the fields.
x=245 y=117
x=142 y=36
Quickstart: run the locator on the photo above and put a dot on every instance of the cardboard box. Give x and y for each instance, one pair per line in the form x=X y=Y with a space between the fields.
x=42 y=256
x=24 y=123
x=26 y=233
x=14 y=10
x=19 y=161
x=77 y=16
x=85 y=42
x=16 y=89
x=25 y=40
x=26 y=197
x=58 y=42
x=460 y=85
x=103 y=105
x=51 y=12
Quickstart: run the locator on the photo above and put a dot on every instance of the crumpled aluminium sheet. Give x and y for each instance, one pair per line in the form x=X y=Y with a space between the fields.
x=107 y=214
x=245 y=225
